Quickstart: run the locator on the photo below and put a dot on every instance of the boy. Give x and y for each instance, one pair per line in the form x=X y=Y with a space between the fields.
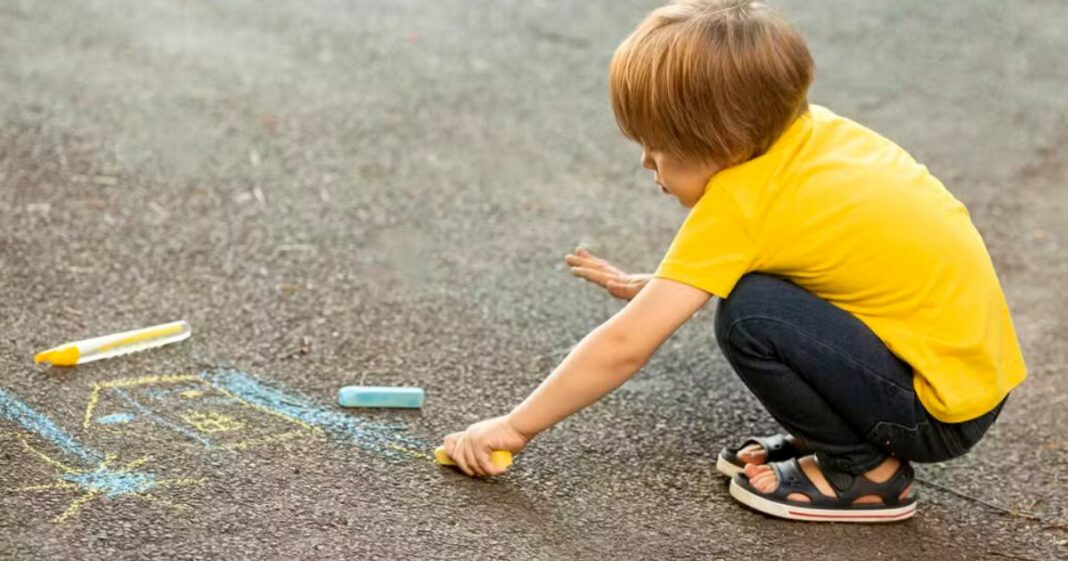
x=858 y=301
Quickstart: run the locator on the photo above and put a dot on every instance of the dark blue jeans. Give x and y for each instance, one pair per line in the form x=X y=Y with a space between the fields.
x=829 y=380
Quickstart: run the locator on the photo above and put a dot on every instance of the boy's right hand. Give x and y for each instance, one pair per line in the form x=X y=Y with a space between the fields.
x=471 y=449
x=596 y=270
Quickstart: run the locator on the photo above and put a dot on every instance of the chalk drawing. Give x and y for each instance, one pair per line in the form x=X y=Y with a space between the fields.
x=33 y=422
x=148 y=413
x=212 y=422
x=94 y=395
x=370 y=435
x=224 y=410
x=230 y=402
x=199 y=411
x=115 y=419
x=93 y=478
x=110 y=483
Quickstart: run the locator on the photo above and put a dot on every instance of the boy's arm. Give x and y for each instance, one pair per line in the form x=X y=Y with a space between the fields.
x=609 y=355
x=602 y=361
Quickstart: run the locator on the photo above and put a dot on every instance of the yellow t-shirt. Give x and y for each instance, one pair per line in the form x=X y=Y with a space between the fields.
x=849 y=216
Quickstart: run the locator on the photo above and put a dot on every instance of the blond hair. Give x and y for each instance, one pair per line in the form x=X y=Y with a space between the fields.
x=712 y=80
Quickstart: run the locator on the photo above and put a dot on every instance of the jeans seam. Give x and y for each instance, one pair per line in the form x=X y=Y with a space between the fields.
x=914 y=428
x=851 y=360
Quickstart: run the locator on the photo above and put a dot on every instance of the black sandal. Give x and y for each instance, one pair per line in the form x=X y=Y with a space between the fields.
x=777 y=447
x=849 y=487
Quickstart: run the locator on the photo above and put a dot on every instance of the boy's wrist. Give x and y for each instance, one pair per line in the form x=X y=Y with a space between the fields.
x=521 y=426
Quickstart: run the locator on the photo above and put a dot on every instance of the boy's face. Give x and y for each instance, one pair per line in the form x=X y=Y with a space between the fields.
x=684 y=179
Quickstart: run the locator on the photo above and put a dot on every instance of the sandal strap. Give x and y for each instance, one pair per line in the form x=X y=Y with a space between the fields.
x=772 y=444
x=850 y=487
x=792 y=479
x=777 y=447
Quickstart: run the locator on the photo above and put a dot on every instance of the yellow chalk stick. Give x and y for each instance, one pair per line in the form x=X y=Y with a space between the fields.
x=499 y=458
x=88 y=350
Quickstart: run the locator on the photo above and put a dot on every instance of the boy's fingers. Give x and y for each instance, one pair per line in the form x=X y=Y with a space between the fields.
x=455 y=449
x=471 y=455
x=576 y=260
x=579 y=261
x=593 y=275
x=450 y=443
x=587 y=260
x=459 y=456
x=587 y=255
x=487 y=466
x=583 y=254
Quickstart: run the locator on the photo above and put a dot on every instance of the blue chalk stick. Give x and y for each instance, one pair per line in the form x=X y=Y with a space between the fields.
x=380 y=396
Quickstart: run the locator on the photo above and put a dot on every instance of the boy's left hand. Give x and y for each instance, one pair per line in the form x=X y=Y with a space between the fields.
x=599 y=271
x=471 y=448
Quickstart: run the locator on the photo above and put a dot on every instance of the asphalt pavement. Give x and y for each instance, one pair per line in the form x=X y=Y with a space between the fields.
x=334 y=193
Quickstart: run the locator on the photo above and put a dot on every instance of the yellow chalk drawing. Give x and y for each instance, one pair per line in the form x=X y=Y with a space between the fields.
x=269 y=411
x=239 y=416
x=43 y=486
x=136 y=463
x=267 y=439
x=411 y=452
x=77 y=505
x=94 y=395
x=101 y=481
x=231 y=423
x=205 y=423
x=211 y=421
x=48 y=459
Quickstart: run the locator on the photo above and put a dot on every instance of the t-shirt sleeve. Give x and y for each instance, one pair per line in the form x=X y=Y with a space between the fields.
x=713 y=248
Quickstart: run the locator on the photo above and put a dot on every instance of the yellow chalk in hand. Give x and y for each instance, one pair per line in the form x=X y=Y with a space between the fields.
x=499 y=458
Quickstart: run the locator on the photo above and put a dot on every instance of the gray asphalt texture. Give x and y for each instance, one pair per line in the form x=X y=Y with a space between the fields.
x=336 y=191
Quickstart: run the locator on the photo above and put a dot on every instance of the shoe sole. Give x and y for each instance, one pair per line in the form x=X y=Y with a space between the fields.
x=725 y=467
x=797 y=512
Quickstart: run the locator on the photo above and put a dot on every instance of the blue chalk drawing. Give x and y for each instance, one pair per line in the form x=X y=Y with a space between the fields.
x=112 y=483
x=115 y=419
x=36 y=423
x=153 y=416
x=95 y=479
x=90 y=472
x=370 y=435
